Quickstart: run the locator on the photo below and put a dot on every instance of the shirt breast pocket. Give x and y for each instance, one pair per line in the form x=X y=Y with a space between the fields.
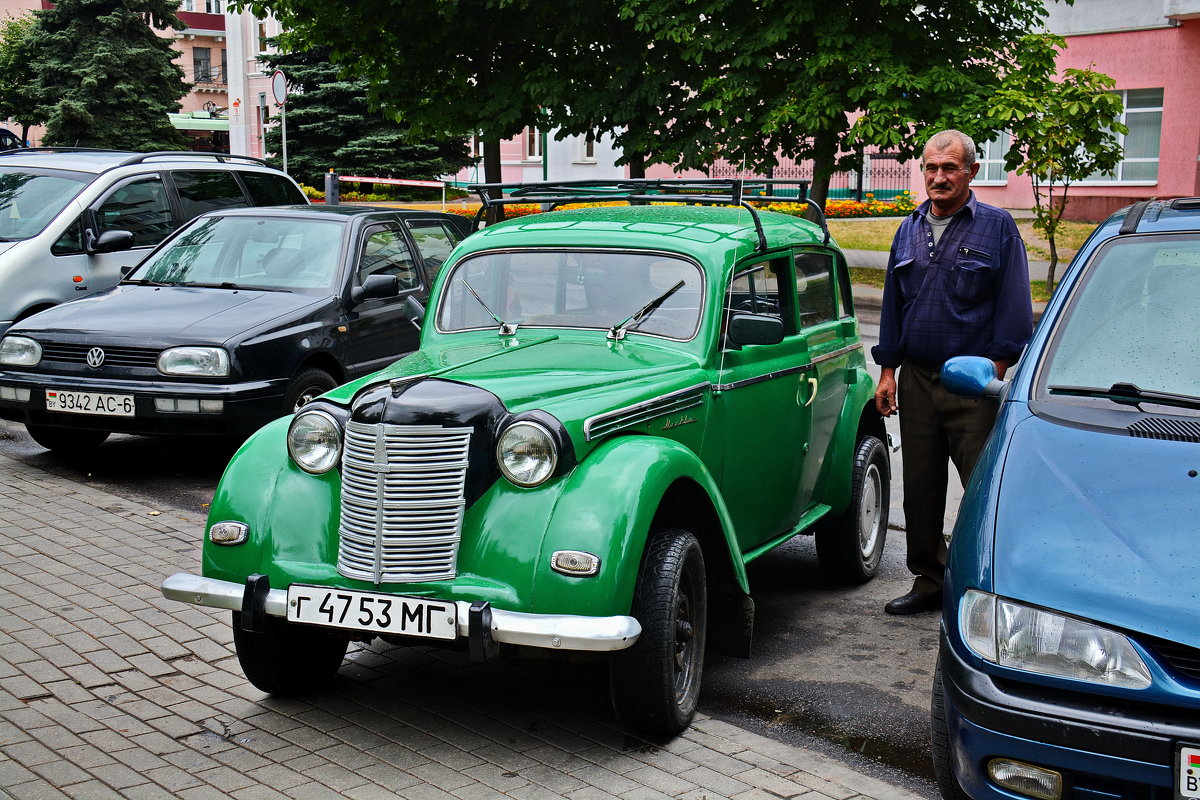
x=972 y=276
x=903 y=273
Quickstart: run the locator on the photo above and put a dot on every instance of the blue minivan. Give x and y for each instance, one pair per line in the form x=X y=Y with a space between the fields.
x=1069 y=664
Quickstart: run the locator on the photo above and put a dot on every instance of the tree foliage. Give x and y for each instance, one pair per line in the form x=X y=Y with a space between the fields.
x=1064 y=128
x=104 y=77
x=17 y=101
x=331 y=126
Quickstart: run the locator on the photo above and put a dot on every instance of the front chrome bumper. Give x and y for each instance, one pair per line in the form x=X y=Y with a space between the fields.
x=551 y=631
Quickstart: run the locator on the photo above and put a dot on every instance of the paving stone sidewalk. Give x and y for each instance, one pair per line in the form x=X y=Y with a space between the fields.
x=108 y=690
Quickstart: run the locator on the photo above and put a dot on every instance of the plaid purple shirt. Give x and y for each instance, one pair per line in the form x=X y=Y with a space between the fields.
x=966 y=296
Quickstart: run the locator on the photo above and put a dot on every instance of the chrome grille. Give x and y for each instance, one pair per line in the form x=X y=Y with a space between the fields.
x=402 y=501
x=113 y=356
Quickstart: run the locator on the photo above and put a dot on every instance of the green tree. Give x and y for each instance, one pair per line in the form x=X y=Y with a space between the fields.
x=1064 y=128
x=105 y=78
x=17 y=99
x=331 y=126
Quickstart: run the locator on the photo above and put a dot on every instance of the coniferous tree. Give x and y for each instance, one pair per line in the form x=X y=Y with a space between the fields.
x=330 y=125
x=105 y=78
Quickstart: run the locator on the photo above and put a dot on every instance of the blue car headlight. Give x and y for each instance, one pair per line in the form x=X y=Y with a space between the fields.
x=1034 y=640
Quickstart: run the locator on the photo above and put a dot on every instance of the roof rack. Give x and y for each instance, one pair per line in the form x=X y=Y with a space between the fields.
x=137 y=158
x=711 y=192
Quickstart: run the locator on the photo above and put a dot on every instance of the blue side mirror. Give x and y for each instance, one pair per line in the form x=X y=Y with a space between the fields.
x=971 y=376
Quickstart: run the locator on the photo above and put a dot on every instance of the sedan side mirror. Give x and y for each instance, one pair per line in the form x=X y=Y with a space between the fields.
x=971 y=376
x=376 y=286
x=747 y=328
x=108 y=242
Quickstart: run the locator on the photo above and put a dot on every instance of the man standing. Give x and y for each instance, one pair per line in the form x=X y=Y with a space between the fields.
x=957 y=284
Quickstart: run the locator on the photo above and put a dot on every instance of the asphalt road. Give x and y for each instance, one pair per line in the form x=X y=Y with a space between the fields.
x=829 y=669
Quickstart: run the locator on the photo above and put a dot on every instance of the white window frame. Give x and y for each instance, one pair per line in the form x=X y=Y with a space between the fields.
x=991 y=153
x=533 y=144
x=586 y=149
x=1118 y=180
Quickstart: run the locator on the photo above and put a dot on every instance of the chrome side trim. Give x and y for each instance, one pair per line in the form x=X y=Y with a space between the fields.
x=611 y=421
x=770 y=376
x=838 y=353
x=552 y=631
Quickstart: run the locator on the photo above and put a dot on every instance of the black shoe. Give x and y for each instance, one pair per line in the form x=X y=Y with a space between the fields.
x=913 y=603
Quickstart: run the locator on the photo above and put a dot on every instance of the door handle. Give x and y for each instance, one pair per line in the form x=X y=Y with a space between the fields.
x=813 y=383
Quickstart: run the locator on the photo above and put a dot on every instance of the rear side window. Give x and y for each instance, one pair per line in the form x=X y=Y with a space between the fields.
x=200 y=192
x=434 y=241
x=271 y=190
x=140 y=207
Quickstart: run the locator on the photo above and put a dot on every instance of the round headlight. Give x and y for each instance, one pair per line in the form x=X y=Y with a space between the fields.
x=20 y=351
x=526 y=453
x=209 y=362
x=315 y=441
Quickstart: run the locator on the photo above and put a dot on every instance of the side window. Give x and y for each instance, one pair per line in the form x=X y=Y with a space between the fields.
x=385 y=252
x=71 y=241
x=434 y=242
x=815 y=295
x=756 y=289
x=271 y=190
x=207 y=191
x=140 y=207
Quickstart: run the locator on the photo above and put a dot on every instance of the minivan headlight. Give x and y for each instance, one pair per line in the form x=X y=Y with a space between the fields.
x=1034 y=640
x=20 y=351
x=314 y=441
x=526 y=453
x=207 y=362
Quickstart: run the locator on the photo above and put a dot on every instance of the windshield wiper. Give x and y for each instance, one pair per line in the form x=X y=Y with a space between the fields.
x=638 y=317
x=506 y=328
x=231 y=285
x=145 y=282
x=1129 y=394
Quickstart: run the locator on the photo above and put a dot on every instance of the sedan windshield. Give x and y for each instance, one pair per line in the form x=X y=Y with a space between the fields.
x=248 y=253
x=29 y=199
x=1129 y=333
x=646 y=293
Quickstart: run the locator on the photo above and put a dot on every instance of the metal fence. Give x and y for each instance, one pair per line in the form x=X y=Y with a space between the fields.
x=884 y=175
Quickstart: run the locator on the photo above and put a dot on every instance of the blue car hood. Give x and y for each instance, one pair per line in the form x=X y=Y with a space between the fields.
x=1103 y=526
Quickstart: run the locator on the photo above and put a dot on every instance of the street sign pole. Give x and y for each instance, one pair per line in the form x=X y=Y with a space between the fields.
x=279 y=89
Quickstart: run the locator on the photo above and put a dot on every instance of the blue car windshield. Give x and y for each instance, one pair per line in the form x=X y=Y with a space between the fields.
x=30 y=198
x=278 y=253
x=1130 y=326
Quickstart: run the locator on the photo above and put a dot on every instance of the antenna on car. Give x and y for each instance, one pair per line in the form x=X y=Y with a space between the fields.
x=706 y=192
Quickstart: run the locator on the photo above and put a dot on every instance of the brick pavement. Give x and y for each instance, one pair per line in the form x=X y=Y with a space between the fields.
x=108 y=690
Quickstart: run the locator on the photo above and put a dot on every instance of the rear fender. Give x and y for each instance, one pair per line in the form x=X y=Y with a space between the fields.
x=858 y=418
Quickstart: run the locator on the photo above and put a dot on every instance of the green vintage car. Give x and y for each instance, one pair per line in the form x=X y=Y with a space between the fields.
x=612 y=412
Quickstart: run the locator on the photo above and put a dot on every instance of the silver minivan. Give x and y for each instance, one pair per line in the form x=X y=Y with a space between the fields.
x=72 y=220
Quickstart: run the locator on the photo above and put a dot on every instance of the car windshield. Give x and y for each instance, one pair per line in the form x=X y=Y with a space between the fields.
x=574 y=289
x=29 y=199
x=1129 y=333
x=248 y=253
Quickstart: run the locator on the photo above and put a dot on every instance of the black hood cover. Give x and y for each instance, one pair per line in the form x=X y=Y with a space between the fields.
x=432 y=401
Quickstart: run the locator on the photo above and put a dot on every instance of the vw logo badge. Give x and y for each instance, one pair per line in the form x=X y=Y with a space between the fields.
x=95 y=357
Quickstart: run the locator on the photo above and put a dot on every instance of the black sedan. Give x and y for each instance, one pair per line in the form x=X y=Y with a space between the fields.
x=240 y=317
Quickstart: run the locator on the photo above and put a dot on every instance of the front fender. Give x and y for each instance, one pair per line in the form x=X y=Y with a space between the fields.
x=607 y=507
x=858 y=412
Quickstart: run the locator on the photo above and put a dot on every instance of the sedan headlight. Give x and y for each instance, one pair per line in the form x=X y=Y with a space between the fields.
x=1030 y=639
x=526 y=453
x=207 y=362
x=20 y=351
x=315 y=441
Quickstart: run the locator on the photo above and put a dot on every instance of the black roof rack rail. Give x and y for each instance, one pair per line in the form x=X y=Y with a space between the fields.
x=704 y=191
x=221 y=157
x=1133 y=217
x=52 y=149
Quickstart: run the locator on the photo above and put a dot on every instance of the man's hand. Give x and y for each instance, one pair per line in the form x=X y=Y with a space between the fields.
x=1001 y=367
x=885 y=392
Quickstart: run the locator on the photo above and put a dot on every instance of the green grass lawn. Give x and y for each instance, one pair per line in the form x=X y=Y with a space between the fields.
x=868 y=276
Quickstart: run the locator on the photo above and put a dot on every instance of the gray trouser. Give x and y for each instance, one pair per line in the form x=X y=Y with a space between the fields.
x=935 y=426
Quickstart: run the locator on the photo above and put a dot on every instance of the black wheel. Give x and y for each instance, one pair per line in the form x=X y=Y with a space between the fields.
x=655 y=684
x=850 y=546
x=288 y=660
x=308 y=384
x=943 y=763
x=66 y=441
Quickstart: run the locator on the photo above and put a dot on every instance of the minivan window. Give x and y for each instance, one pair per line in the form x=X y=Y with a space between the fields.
x=271 y=190
x=29 y=199
x=200 y=192
x=140 y=207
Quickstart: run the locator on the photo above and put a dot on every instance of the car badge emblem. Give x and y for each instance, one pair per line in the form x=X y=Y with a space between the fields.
x=95 y=357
